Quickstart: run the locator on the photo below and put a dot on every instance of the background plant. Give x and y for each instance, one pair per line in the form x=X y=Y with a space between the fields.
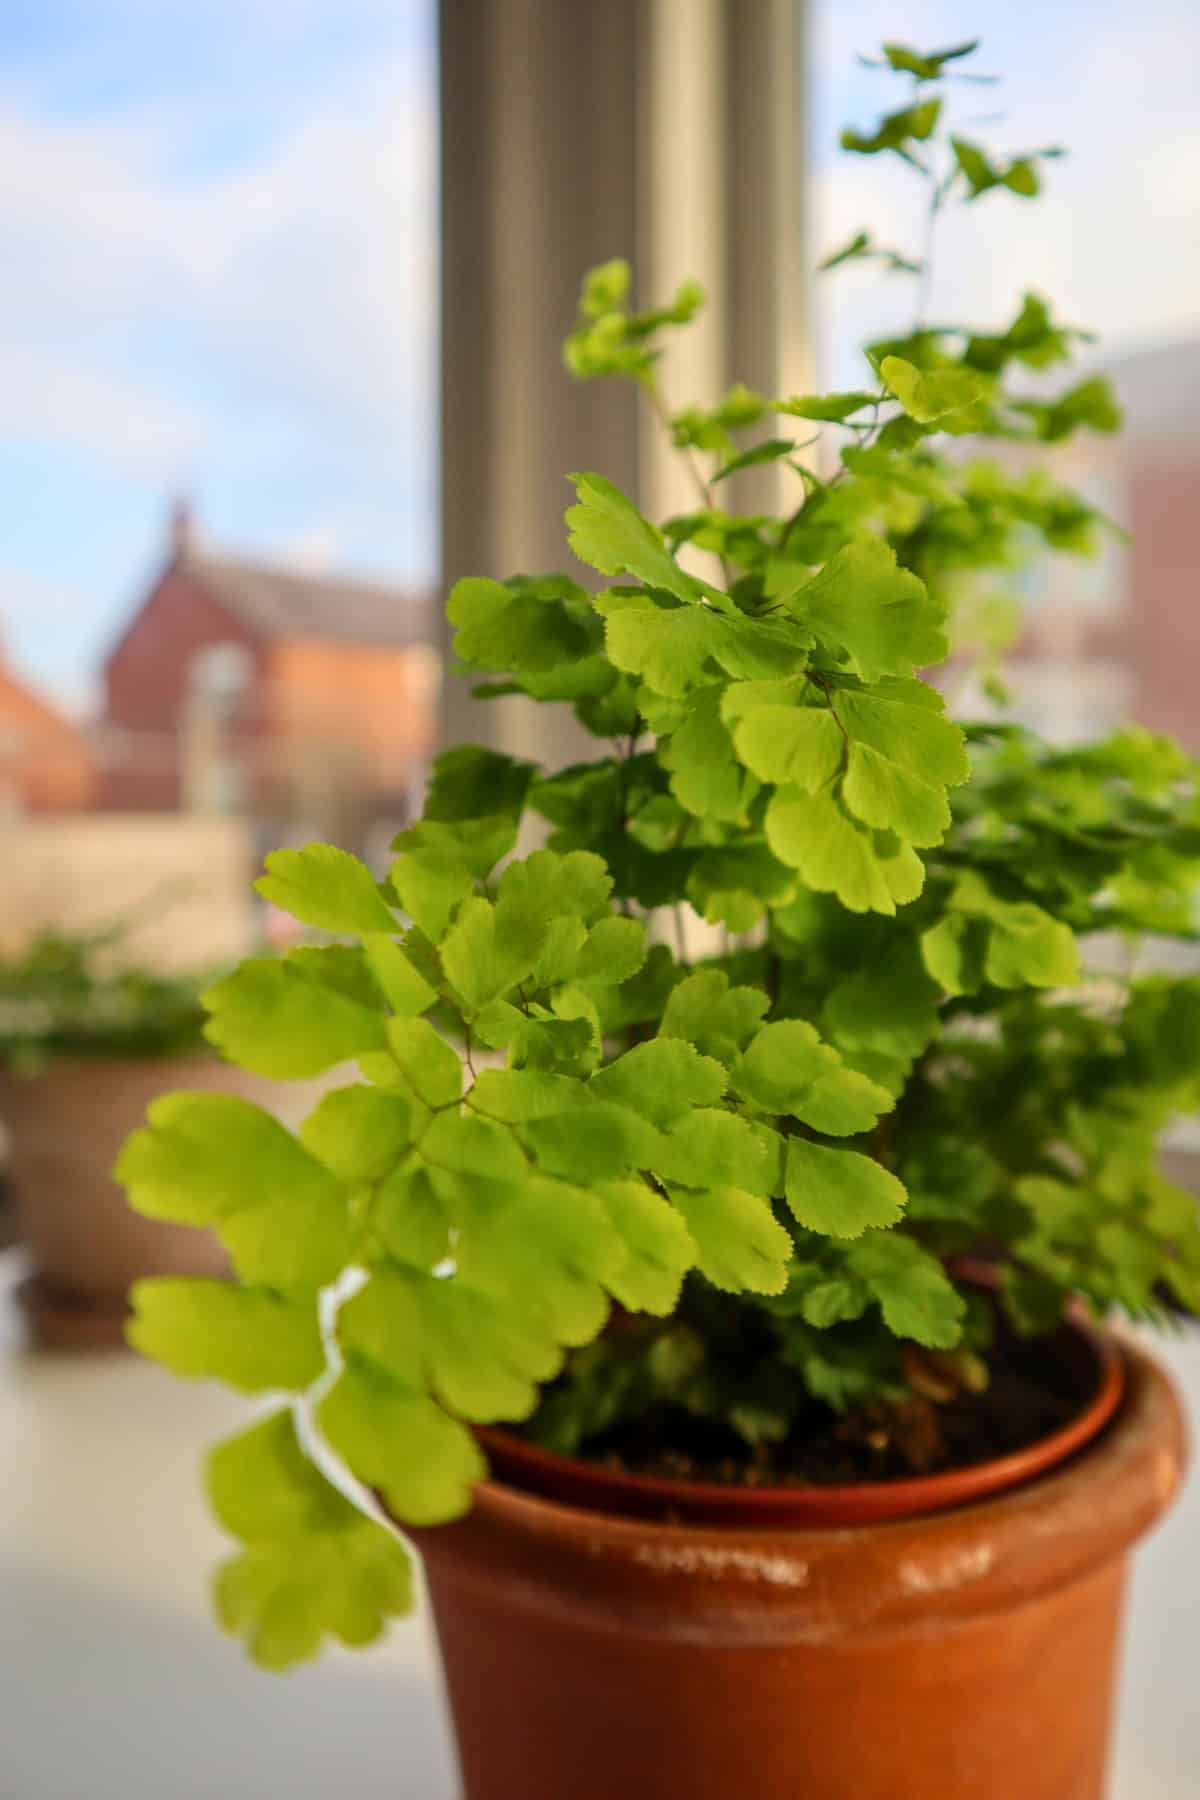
x=79 y=994
x=770 y=1156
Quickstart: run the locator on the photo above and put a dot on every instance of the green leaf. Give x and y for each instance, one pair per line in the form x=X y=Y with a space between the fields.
x=431 y=883
x=277 y=1017
x=889 y=1005
x=1031 y=339
x=466 y=1144
x=429 y=1065
x=538 y=1040
x=904 y=722
x=933 y=395
x=926 y=65
x=360 y=1133
x=480 y=1356
x=897 y=131
x=843 y=1103
x=212 y=1159
x=716 y=1018
x=834 y=408
x=868 y=871
x=839 y=1192
x=249 y=1338
x=954 y=951
x=592 y=1141
x=769 y=451
x=673 y=648
x=657 y=1247
x=471 y=783
x=736 y=884
x=508 y=626
x=313 y=1564
x=399 y=1441
x=408 y=1216
x=889 y=797
x=326 y=887
x=547 y=1246
x=740 y=1246
x=605 y=288
x=514 y=1096
x=1029 y=948
x=668 y=647
x=916 y=1296
x=705 y=776
x=833 y=1300
x=780 y=1065
x=1024 y=945
x=585 y=799
x=614 y=952
x=482 y=958
x=792 y=746
x=711 y=1147
x=1091 y=404
x=406 y=990
x=662 y=1080
x=881 y=616
x=607 y=532
x=857 y=246
x=1019 y=174
x=787 y=1069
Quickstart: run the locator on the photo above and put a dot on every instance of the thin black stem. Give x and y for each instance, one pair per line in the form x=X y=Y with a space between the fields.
x=938 y=192
x=663 y=414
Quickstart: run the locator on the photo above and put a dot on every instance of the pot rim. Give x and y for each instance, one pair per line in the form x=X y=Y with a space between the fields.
x=775 y=1582
x=590 y=1486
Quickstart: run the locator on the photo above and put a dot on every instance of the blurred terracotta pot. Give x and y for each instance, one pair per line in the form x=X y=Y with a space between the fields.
x=66 y=1127
x=967 y=1654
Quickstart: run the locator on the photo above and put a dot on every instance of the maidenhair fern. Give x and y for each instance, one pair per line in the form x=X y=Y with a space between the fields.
x=551 y=1110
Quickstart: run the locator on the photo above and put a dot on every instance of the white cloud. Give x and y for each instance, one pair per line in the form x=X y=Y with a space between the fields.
x=295 y=294
x=313 y=551
x=55 y=399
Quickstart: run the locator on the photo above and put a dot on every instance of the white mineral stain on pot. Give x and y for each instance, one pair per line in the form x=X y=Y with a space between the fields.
x=705 y=1559
x=951 y=1572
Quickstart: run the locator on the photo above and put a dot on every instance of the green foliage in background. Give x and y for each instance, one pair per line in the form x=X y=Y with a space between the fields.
x=80 y=995
x=555 y=1118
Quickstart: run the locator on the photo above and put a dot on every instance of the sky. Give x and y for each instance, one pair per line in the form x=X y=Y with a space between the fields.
x=219 y=238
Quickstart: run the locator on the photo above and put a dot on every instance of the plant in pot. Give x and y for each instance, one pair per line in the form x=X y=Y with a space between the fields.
x=724 y=1325
x=88 y=1037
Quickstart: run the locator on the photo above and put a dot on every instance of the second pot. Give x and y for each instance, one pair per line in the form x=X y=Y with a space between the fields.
x=87 y=1246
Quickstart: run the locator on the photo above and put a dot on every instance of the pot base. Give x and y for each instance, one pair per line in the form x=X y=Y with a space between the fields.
x=57 y=1320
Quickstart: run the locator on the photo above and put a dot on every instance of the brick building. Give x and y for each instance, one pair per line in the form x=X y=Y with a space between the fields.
x=46 y=765
x=306 y=702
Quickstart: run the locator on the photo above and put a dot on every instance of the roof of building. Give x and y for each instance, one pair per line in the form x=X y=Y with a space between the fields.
x=285 y=603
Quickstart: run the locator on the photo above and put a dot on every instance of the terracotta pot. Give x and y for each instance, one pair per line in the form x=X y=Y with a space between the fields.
x=66 y=1127
x=963 y=1655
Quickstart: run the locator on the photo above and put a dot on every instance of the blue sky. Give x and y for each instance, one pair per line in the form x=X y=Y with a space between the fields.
x=219 y=227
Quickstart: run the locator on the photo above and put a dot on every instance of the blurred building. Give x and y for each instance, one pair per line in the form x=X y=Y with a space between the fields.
x=46 y=765
x=1119 y=636
x=305 y=702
